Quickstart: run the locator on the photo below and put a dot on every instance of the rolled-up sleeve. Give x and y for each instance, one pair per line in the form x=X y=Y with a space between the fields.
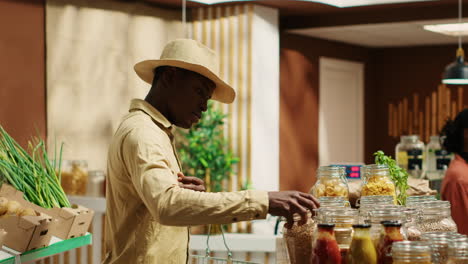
x=157 y=186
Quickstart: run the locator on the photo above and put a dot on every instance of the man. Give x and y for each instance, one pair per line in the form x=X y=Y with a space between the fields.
x=455 y=182
x=150 y=203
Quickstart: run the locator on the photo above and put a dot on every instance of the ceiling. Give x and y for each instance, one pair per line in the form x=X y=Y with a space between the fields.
x=388 y=25
x=380 y=35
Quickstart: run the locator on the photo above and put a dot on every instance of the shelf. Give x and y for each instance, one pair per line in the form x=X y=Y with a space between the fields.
x=56 y=246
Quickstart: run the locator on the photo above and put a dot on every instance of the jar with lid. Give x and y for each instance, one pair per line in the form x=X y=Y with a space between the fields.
x=458 y=253
x=298 y=239
x=373 y=200
x=325 y=247
x=413 y=219
x=377 y=181
x=376 y=217
x=74 y=177
x=437 y=159
x=409 y=155
x=416 y=199
x=333 y=201
x=436 y=217
x=331 y=181
x=362 y=250
x=411 y=252
x=390 y=234
x=343 y=219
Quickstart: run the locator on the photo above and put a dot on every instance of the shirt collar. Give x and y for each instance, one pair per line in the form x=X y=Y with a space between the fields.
x=138 y=104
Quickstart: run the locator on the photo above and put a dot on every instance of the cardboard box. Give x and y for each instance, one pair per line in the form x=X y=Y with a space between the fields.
x=26 y=232
x=69 y=222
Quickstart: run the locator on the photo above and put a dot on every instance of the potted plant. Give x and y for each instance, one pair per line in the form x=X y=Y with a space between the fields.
x=204 y=151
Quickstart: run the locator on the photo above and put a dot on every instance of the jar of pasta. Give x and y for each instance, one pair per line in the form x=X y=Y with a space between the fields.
x=74 y=177
x=377 y=181
x=331 y=182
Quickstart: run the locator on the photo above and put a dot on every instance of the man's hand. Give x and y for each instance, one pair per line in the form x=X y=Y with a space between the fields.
x=191 y=183
x=288 y=203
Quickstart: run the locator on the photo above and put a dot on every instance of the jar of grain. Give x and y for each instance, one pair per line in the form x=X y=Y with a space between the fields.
x=331 y=182
x=298 y=240
x=436 y=217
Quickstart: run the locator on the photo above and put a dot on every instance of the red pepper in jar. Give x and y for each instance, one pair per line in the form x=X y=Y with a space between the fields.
x=326 y=250
x=391 y=233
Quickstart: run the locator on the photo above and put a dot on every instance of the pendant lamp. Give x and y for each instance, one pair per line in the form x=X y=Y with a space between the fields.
x=457 y=72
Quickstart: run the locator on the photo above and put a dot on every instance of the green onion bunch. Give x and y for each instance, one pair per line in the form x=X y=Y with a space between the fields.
x=32 y=173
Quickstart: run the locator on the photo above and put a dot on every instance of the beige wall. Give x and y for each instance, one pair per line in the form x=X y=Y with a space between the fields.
x=91 y=50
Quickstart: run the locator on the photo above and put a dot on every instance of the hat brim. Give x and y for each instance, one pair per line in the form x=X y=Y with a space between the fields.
x=222 y=92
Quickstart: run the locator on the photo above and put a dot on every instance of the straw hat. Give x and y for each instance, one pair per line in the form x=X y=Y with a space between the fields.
x=193 y=56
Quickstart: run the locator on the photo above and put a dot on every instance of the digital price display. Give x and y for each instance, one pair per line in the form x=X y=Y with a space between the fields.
x=352 y=171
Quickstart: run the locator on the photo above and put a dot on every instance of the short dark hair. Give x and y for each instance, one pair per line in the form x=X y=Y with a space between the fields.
x=158 y=71
x=453 y=133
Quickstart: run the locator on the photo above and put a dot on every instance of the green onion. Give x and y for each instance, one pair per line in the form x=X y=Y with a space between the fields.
x=33 y=174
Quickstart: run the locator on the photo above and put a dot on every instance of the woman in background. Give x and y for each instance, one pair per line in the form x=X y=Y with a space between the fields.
x=455 y=183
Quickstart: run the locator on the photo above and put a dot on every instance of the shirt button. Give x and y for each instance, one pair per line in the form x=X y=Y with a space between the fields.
x=234 y=219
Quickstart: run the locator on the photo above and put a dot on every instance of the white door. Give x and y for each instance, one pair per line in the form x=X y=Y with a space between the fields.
x=341 y=112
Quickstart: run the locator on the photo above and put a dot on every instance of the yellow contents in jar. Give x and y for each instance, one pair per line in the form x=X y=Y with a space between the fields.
x=378 y=185
x=331 y=188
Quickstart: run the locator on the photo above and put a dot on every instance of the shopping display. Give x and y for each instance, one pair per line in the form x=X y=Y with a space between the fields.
x=33 y=205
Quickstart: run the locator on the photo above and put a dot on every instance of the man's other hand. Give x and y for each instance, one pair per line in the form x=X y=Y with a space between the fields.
x=191 y=183
x=288 y=203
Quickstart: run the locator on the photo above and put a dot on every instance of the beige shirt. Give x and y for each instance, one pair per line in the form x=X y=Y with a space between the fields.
x=148 y=214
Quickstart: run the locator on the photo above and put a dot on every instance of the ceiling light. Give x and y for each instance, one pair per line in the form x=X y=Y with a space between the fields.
x=454 y=29
x=457 y=72
x=337 y=3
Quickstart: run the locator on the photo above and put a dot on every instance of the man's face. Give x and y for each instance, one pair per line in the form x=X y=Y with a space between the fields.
x=190 y=98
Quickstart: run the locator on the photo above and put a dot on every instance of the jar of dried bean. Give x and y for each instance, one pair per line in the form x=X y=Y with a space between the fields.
x=331 y=182
x=298 y=240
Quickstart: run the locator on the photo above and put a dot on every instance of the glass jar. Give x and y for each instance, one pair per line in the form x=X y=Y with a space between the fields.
x=439 y=242
x=437 y=159
x=325 y=247
x=362 y=250
x=331 y=182
x=74 y=177
x=376 y=217
x=390 y=234
x=298 y=240
x=409 y=155
x=411 y=252
x=413 y=219
x=333 y=202
x=343 y=219
x=458 y=253
x=417 y=199
x=377 y=181
x=373 y=200
x=436 y=217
